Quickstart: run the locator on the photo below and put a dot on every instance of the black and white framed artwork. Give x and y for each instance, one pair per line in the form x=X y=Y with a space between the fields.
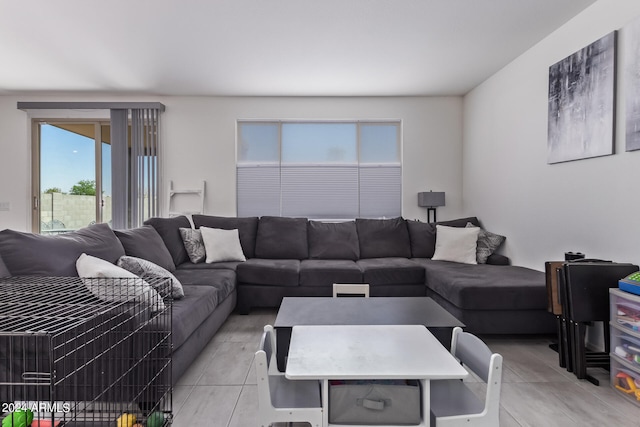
x=630 y=34
x=582 y=103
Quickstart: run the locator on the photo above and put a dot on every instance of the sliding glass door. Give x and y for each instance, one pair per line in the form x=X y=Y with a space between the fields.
x=72 y=175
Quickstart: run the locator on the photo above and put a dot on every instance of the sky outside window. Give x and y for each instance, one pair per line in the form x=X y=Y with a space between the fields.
x=67 y=158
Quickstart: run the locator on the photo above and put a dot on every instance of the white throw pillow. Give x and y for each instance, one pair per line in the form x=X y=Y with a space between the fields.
x=456 y=244
x=222 y=245
x=90 y=267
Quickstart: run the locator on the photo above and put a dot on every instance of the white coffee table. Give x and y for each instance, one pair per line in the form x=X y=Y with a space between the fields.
x=352 y=352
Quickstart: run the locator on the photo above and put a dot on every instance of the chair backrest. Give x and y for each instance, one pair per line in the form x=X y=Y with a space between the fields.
x=281 y=400
x=263 y=361
x=477 y=356
x=268 y=344
x=587 y=284
x=350 y=290
x=472 y=352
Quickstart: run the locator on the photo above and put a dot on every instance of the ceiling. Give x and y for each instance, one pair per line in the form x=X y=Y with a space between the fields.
x=267 y=47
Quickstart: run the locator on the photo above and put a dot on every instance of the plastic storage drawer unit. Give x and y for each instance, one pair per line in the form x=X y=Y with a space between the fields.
x=625 y=344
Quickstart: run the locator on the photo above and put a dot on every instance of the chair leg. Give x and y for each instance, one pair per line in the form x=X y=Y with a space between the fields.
x=607 y=338
x=580 y=358
x=567 y=340
x=562 y=360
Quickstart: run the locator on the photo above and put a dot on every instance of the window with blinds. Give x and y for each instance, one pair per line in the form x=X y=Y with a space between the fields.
x=319 y=170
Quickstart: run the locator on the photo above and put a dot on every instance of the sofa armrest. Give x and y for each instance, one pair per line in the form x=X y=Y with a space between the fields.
x=497 y=259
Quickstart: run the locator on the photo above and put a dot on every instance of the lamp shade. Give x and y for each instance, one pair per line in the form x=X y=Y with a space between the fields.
x=431 y=199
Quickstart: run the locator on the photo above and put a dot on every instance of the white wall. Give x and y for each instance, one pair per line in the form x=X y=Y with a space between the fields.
x=199 y=144
x=544 y=210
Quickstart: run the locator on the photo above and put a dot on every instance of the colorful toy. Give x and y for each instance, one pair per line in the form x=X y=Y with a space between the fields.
x=126 y=420
x=155 y=419
x=19 y=418
x=44 y=423
x=627 y=384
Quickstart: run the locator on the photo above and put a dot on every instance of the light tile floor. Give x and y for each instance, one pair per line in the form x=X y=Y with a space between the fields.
x=219 y=389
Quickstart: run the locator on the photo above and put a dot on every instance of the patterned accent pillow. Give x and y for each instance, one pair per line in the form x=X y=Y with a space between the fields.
x=487 y=244
x=148 y=270
x=193 y=244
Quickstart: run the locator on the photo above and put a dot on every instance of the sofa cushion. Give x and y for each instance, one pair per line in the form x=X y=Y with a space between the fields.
x=498 y=259
x=460 y=222
x=315 y=272
x=221 y=279
x=4 y=271
x=282 y=238
x=226 y=265
x=145 y=242
x=423 y=234
x=486 y=287
x=247 y=227
x=275 y=272
x=333 y=240
x=423 y=238
x=383 y=238
x=188 y=313
x=27 y=254
x=169 y=231
x=390 y=271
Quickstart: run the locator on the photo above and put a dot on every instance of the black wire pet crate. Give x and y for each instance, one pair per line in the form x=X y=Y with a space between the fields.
x=86 y=352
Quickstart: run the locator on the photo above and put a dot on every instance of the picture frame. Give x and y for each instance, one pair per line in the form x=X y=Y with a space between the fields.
x=631 y=56
x=582 y=90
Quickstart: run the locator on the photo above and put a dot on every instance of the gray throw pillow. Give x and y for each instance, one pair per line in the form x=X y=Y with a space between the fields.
x=193 y=244
x=28 y=254
x=331 y=240
x=148 y=270
x=488 y=242
x=145 y=242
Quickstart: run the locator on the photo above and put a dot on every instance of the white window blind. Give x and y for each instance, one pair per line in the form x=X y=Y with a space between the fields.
x=320 y=191
x=320 y=170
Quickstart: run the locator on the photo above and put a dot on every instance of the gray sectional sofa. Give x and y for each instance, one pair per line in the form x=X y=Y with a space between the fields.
x=296 y=257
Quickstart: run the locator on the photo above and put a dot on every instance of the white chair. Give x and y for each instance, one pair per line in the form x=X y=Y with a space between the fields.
x=350 y=289
x=453 y=404
x=282 y=400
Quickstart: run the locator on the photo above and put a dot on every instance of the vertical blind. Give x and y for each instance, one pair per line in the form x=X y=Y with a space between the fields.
x=328 y=170
x=134 y=166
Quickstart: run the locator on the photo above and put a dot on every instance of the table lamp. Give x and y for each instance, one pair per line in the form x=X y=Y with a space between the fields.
x=431 y=200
